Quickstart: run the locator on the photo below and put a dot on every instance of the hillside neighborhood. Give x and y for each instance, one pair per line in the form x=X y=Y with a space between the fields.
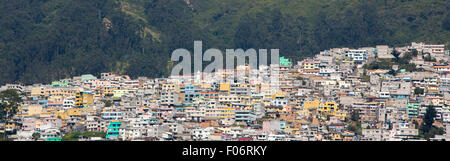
x=378 y=93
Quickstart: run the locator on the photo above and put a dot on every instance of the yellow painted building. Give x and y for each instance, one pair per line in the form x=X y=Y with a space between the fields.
x=206 y=86
x=55 y=98
x=83 y=99
x=53 y=91
x=62 y=114
x=274 y=109
x=337 y=136
x=331 y=108
x=74 y=112
x=37 y=91
x=310 y=65
x=225 y=87
x=109 y=91
x=340 y=114
x=328 y=107
x=311 y=104
x=65 y=92
x=277 y=96
x=226 y=112
x=10 y=126
x=33 y=110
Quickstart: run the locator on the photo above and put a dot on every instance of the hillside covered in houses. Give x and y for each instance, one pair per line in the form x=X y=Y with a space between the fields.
x=376 y=93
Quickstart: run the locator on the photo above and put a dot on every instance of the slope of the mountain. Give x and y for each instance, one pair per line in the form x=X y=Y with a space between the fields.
x=45 y=40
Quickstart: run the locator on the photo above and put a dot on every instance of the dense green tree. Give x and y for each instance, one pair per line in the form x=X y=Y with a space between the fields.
x=36 y=136
x=403 y=62
x=354 y=116
x=446 y=22
x=9 y=102
x=427 y=129
x=108 y=103
x=41 y=41
x=392 y=72
x=429 y=58
x=418 y=91
x=74 y=136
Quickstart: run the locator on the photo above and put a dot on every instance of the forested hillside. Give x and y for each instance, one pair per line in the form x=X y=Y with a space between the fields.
x=45 y=40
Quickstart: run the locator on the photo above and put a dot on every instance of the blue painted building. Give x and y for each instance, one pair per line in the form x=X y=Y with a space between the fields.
x=191 y=92
x=113 y=129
